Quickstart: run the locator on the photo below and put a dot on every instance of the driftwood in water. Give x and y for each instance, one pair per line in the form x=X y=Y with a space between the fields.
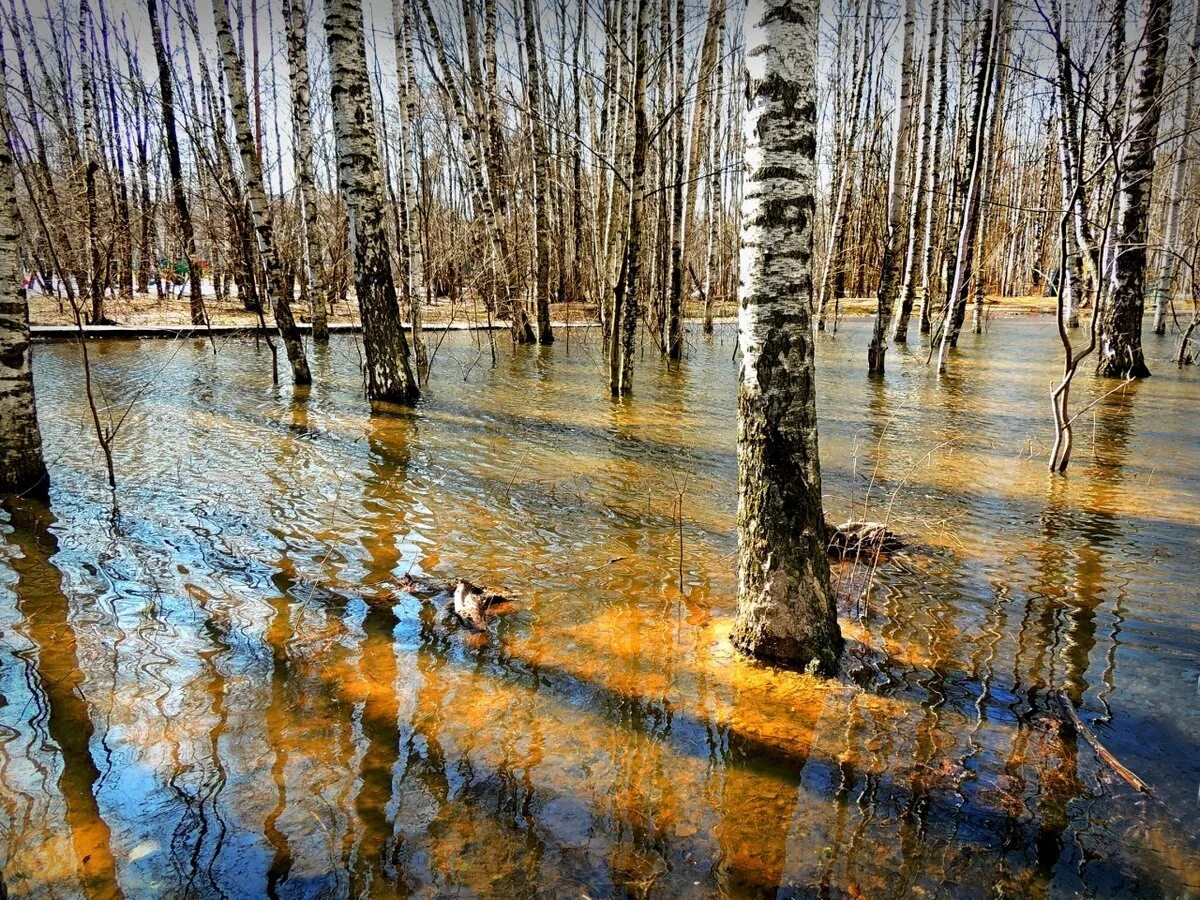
x=852 y=539
x=469 y=604
x=1101 y=751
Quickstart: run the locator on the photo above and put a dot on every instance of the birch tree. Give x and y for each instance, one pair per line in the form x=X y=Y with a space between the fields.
x=388 y=373
x=166 y=93
x=22 y=468
x=260 y=209
x=626 y=298
x=541 y=179
x=925 y=165
x=1121 y=354
x=785 y=608
x=956 y=299
x=895 y=212
x=312 y=288
x=1171 y=249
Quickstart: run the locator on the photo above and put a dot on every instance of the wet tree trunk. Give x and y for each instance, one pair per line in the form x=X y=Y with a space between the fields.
x=785 y=609
x=895 y=211
x=389 y=377
x=541 y=179
x=312 y=287
x=260 y=209
x=1171 y=246
x=166 y=92
x=22 y=468
x=1121 y=353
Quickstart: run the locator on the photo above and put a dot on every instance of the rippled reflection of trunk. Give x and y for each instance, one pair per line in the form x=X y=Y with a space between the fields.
x=46 y=614
x=785 y=608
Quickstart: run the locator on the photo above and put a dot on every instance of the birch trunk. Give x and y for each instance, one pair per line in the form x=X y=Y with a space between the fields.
x=626 y=298
x=473 y=143
x=785 y=608
x=675 y=298
x=715 y=205
x=1171 y=246
x=91 y=167
x=389 y=377
x=934 y=175
x=411 y=171
x=1121 y=353
x=895 y=212
x=22 y=468
x=1070 y=167
x=541 y=180
x=260 y=209
x=312 y=287
x=833 y=276
x=924 y=166
x=976 y=142
x=166 y=92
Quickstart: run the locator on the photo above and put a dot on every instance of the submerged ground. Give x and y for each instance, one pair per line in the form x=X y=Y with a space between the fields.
x=195 y=698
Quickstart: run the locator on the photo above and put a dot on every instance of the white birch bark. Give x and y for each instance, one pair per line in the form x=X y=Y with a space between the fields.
x=388 y=374
x=260 y=209
x=1171 y=249
x=785 y=608
x=22 y=468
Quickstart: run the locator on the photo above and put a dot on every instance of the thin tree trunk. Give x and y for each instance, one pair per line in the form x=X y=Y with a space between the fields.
x=312 y=286
x=541 y=180
x=625 y=309
x=715 y=206
x=91 y=164
x=976 y=143
x=934 y=175
x=896 y=192
x=389 y=377
x=1169 y=256
x=785 y=608
x=260 y=209
x=22 y=467
x=924 y=165
x=411 y=172
x=166 y=93
x=675 y=298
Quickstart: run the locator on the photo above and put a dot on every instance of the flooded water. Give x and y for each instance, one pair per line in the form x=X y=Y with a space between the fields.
x=215 y=694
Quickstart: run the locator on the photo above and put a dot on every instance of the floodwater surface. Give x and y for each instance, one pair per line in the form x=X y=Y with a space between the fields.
x=219 y=691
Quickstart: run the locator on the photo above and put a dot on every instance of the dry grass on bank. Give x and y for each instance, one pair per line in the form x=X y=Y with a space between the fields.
x=149 y=310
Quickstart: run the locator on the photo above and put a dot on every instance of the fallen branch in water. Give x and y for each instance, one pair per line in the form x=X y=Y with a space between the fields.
x=1105 y=756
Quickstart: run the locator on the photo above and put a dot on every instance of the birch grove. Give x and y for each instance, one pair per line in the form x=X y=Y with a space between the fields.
x=522 y=164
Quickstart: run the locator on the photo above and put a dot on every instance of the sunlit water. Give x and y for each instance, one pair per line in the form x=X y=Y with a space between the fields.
x=197 y=700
